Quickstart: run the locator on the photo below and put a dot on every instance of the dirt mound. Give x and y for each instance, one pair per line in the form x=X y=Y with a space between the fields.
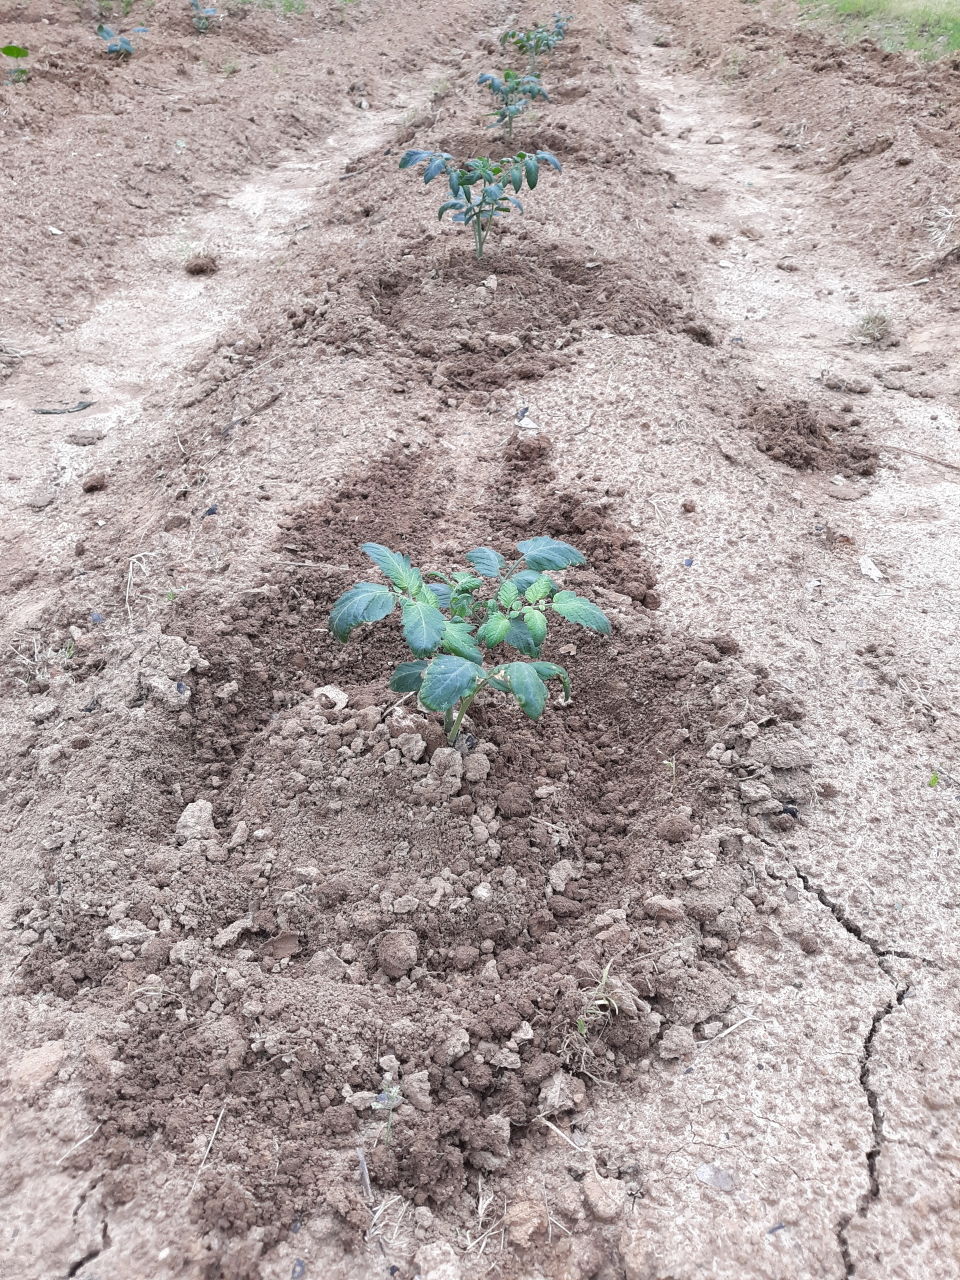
x=334 y=925
x=458 y=322
x=810 y=438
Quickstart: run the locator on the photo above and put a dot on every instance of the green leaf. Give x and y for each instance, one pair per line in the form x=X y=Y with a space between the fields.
x=458 y=639
x=519 y=638
x=394 y=566
x=486 y=561
x=366 y=602
x=408 y=677
x=466 y=581
x=508 y=594
x=584 y=612
x=551 y=671
x=527 y=687
x=494 y=630
x=536 y=624
x=541 y=587
x=423 y=626
x=532 y=170
x=550 y=553
x=414 y=157
x=446 y=680
x=14 y=51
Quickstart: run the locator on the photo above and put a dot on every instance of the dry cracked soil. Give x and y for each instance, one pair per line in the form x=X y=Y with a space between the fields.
x=661 y=986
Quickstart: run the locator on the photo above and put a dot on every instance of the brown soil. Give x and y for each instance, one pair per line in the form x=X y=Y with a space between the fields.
x=811 y=439
x=658 y=986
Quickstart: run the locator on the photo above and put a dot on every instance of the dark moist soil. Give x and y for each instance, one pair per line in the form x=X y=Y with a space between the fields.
x=811 y=438
x=316 y=919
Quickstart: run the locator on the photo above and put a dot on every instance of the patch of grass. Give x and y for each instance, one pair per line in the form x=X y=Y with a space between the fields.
x=875 y=327
x=928 y=27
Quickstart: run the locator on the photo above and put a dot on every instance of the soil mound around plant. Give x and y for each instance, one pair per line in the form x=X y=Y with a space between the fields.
x=810 y=438
x=459 y=322
x=312 y=915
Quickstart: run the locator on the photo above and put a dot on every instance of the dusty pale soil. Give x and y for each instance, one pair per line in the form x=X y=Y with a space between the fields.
x=246 y=891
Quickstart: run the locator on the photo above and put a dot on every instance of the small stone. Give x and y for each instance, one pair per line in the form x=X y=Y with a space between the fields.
x=416 y=1090
x=754 y=792
x=438 y=1261
x=196 y=822
x=476 y=767
x=397 y=952
x=483 y=892
x=506 y=1060
x=455 y=1046
x=561 y=1092
x=94 y=483
x=677 y=1042
x=327 y=964
x=561 y=873
x=503 y=342
x=403 y=905
x=42 y=709
x=675 y=829
x=84 y=437
x=412 y=746
x=604 y=1197
x=661 y=907
x=489 y=972
x=715 y=140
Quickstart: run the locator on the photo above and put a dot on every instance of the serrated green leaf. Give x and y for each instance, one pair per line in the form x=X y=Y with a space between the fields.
x=466 y=581
x=423 y=626
x=583 y=612
x=536 y=624
x=442 y=593
x=394 y=566
x=550 y=553
x=494 y=630
x=408 y=677
x=541 y=587
x=458 y=639
x=527 y=687
x=509 y=594
x=486 y=561
x=519 y=638
x=446 y=680
x=551 y=671
x=365 y=602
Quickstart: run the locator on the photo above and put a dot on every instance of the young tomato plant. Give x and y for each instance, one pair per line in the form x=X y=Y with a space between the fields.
x=118 y=46
x=202 y=17
x=493 y=180
x=457 y=625
x=16 y=53
x=514 y=93
x=538 y=40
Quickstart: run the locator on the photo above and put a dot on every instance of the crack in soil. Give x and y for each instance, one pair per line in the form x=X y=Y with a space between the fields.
x=882 y=955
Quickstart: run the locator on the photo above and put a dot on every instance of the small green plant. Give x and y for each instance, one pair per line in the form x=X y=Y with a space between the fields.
x=202 y=16
x=453 y=623
x=118 y=47
x=537 y=40
x=18 y=73
x=875 y=327
x=610 y=997
x=493 y=180
x=514 y=93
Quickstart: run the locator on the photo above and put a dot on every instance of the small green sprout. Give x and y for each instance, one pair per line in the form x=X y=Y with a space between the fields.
x=493 y=179
x=934 y=779
x=538 y=40
x=514 y=93
x=119 y=47
x=449 y=622
x=202 y=16
x=17 y=73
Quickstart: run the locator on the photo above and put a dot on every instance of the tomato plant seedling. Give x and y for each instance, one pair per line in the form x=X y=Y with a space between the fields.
x=454 y=623
x=16 y=53
x=119 y=47
x=202 y=16
x=493 y=180
x=514 y=93
x=537 y=40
